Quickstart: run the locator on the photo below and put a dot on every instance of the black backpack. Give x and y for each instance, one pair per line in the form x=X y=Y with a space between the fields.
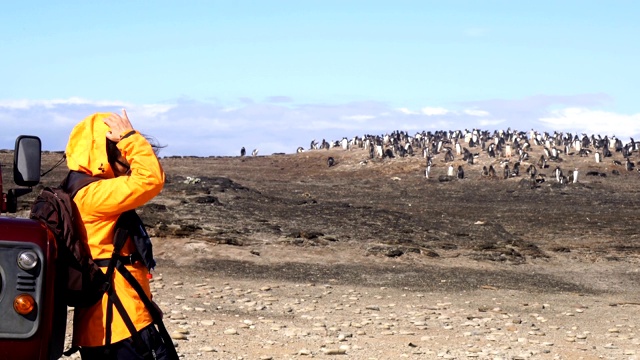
x=84 y=282
x=79 y=281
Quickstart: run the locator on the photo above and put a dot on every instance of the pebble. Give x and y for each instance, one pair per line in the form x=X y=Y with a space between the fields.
x=338 y=351
x=178 y=336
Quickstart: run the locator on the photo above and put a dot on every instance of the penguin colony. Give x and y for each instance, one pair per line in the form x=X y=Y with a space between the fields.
x=507 y=151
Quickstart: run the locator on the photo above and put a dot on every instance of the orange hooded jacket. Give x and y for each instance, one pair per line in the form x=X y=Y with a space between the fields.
x=100 y=203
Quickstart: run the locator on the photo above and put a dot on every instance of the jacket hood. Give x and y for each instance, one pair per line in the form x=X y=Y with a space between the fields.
x=87 y=147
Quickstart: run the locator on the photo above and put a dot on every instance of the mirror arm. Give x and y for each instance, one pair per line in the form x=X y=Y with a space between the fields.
x=12 y=198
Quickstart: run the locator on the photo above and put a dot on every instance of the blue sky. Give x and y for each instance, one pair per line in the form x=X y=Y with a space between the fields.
x=208 y=77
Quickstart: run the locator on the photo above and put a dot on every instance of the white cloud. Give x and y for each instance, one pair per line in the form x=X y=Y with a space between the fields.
x=153 y=109
x=593 y=122
x=492 y=122
x=407 y=111
x=359 y=118
x=431 y=111
x=479 y=113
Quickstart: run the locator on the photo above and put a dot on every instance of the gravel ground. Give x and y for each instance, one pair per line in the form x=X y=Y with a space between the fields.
x=239 y=310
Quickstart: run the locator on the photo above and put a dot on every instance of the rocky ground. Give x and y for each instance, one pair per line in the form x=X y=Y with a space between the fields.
x=283 y=257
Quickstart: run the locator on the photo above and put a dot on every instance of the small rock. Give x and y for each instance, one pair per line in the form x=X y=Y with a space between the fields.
x=178 y=336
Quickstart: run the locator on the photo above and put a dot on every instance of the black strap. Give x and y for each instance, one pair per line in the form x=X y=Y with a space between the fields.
x=72 y=350
x=126 y=260
x=132 y=132
x=153 y=311
x=75 y=181
x=119 y=239
x=138 y=343
x=108 y=320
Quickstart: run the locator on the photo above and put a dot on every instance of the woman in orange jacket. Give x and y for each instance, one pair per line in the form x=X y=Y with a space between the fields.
x=105 y=145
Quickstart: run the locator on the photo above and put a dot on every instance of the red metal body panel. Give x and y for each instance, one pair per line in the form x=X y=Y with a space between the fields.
x=37 y=346
x=3 y=200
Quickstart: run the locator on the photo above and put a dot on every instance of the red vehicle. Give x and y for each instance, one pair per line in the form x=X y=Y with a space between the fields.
x=32 y=322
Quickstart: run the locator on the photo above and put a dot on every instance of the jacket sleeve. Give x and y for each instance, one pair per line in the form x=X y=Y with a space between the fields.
x=111 y=197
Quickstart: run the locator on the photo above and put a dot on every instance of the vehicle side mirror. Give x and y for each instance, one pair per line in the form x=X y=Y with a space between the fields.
x=27 y=160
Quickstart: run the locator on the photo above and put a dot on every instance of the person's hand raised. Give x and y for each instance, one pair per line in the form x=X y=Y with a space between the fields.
x=119 y=125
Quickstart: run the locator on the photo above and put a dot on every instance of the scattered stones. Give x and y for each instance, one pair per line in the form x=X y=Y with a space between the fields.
x=380 y=323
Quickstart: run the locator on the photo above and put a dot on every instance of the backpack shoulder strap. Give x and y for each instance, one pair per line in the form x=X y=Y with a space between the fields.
x=75 y=181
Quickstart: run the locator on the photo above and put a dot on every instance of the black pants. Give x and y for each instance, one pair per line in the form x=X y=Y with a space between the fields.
x=125 y=349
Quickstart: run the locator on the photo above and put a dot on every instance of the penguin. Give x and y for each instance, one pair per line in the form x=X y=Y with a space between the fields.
x=448 y=156
x=598 y=157
x=401 y=151
x=506 y=172
x=460 y=172
x=470 y=160
x=254 y=152
x=491 y=150
x=629 y=165
x=330 y=161
x=492 y=171
x=558 y=173
x=389 y=153
x=300 y=149
x=408 y=149
x=243 y=151
x=516 y=169
x=427 y=171
x=575 y=175
x=532 y=171
x=344 y=143
x=450 y=170
x=485 y=171
x=466 y=154
x=542 y=162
